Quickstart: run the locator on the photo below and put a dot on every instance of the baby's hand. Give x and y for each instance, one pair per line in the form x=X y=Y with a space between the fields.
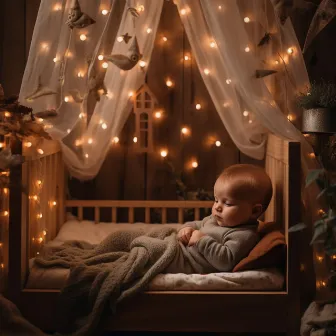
x=195 y=237
x=185 y=234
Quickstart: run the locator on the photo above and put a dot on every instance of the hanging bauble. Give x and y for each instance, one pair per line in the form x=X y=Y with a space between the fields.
x=128 y=61
x=126 y=37
x=78 y=19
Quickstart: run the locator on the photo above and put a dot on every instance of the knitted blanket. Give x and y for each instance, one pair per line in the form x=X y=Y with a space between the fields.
x=105 y=274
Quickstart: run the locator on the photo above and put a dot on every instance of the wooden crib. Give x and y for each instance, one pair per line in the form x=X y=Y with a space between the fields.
x=211 y=311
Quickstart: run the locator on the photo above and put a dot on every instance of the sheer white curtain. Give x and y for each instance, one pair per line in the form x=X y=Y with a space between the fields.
x=224 y=36
x=65 y=63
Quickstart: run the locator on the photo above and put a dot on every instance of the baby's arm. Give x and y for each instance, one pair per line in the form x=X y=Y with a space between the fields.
x=185 y=232
x=224 y=256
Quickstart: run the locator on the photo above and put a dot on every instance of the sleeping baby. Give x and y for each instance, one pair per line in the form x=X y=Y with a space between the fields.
x=218 y=242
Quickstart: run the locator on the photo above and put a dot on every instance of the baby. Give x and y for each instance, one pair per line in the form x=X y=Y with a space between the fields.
x=218 y=242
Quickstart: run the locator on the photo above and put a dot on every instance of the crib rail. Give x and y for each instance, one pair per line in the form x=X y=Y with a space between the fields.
x=79 y=205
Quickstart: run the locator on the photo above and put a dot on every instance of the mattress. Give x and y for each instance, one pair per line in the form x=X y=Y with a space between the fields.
x=55 y=278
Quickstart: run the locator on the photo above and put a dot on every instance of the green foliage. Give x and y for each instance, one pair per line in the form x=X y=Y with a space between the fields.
x=320 y=95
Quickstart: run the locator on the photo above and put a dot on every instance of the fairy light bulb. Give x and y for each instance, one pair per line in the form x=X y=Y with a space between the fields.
x=40 y=151
x=130 y=94
x=218 y=143
x=2 y=145
x=115 y=140
x=246 y=19
x=8 y=114
x=44 y=232
x=183 y=11
x=158 y=114
x=105 y=65
x=6 y=213
x=245 y=113
x=104 y=126
x=164 y=153
x=90 y=141
x=149 y=30
x=228 y=81
x=80 y=74
x=186 y=58
x=198 y=106
x=311 y=155
x=68 y=130
x=39 y=215
x=57 y=7
x=120 y=39
x=66 y=99
x=54 y=203
x=194 y=164
x=219 y=7
x=185 y=130
x=5 y=191
x=276 y=62
x=55 y=59
x=250 y=121
x=86 y=156
x=212 y=44
x=82 y=37
x=142 y=64
x=247 y=49
x=44 y=46
x=206 y=71
x=135 y=139
x=164 y=39
x=38 y=182
x=290 y=51
x=141 y=8
x=104 y=11
x=34 y=197
x=169 y=83
x=100 y=57
x=81 y=115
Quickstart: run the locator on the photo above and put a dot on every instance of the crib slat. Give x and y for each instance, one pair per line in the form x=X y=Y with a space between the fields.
x=197 y=213
x=114 y=215
x=164 y=216
x=80 y=213
x=131 y=215
x=180 y=215
x=97 y=215
x=147 y=215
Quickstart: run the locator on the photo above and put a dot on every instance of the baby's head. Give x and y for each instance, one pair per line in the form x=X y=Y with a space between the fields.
x=242 y=193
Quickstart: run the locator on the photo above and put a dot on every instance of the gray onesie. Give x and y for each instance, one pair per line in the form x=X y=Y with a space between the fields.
x=219 y=251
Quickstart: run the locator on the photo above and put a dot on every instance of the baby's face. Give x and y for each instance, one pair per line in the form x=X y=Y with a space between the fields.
x=228 y=209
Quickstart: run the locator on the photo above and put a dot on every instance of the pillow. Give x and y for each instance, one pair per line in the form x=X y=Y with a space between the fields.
x=269 y=252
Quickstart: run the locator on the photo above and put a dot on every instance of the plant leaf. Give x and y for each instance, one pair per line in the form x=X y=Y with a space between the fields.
x=297 y=227
x=313 y=175
x=265 y=39
x=319 y=230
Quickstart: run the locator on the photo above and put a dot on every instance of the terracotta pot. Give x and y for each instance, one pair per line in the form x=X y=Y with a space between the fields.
x=319 y=120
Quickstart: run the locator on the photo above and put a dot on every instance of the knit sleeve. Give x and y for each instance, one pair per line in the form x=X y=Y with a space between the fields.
x=224 y=256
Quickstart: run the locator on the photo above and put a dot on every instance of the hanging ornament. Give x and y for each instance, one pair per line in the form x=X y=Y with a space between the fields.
x=133 y=11
x=282 y=9
x=128 y=61
x=40 y=91
x=264 y=73
x=265 y=39
x=78 y=19
x=323 y=15
x=126 y=37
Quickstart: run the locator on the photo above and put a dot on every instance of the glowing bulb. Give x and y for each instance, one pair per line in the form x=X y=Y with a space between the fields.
x=169 y=83
x=115 y=140
x=194 y=164
x=228 y=81
x=44 y=232
x=35 y=197
x=158 y=115
x=185 y=130
x=218 y=143
x=57 y=7
x=68 y=130
x=120 y=39
x=105 y=65
x=104 y=126
x=81 y=115
x=141 y=8
x=206 y=71
x=186 y=58
x=164 y=38
x=142 y=64
x=2 y=145
x=212 y=44
x=276 y=62
x=183 y=11
x=100 y=57
x=311 y=155
x=40 y=151
x=7 y=114
x=80 y=74
x=198 y=106
x=55 y=59
x=2 y=265
x=5 y=190
x=44 y=46
x=38 y=182
x=247 y=49
x=135 y=139
x=54 y=203
x=39 y=215
x=86 y=156
x=290 y=117
x=149 y=30
x=104 y=11
x=290 y=51
x=131 y=93
x=82 y=37
x=66 y=99
x=245 y=113
x=246 y=19
x=90 y=141
x=5 y=213
x=163 y=153
x=219 y=7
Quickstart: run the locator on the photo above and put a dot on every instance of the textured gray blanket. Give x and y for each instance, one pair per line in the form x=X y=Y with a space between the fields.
x=103 y=275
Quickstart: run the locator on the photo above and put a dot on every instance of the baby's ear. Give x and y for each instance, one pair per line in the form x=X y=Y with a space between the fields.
x=257 y=210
